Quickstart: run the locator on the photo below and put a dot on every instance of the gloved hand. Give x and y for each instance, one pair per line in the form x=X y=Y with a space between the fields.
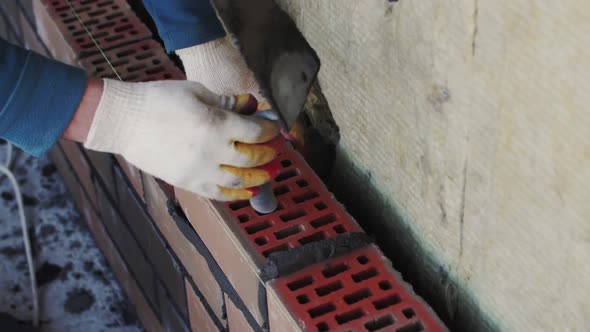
x=219 y=66
x=188 y=136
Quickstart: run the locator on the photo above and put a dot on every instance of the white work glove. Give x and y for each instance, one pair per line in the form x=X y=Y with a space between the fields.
x=188 y=136
x=219 y=66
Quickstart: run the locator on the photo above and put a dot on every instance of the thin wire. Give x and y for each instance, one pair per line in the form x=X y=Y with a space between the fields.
x=218 y=220
x=93 y=40
x=25 y=232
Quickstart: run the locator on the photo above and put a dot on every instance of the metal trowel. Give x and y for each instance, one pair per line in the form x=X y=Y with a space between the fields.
x=283 y=63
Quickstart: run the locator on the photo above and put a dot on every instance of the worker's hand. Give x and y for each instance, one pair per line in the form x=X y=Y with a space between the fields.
x=188 y=136
x=219 y=66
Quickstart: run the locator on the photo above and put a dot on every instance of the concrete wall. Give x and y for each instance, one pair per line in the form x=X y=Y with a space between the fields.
x=466 y=136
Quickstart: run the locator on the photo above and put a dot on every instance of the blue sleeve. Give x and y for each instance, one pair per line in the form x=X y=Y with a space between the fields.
x=184 y=23
x=38 y=98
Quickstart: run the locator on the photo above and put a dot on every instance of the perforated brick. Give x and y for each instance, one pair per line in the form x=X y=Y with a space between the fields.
x=356 y=292
x=307 y=211
x=137 y=62
x=110 y=22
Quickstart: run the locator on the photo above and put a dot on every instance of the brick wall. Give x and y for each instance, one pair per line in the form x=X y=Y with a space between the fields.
x=188 y=263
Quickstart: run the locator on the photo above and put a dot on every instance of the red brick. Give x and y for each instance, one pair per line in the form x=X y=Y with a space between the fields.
x=171 y=318
x=359 y=291
x=111 y=23
x=229 y=250
x=235 y=318
x=128 y=246
x=191 y=259
x=140 y=61
x=307 y=211
x=199 y=318
x=133 y=175
x=140 y=224
x=52 y=37
x=129 y=285
x=81 y=167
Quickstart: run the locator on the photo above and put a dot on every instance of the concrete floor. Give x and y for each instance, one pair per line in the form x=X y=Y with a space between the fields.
x=77 y=289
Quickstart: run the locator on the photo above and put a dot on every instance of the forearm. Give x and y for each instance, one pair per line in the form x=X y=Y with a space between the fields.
x=38 y=98
x=80 y=124
x=185 y=23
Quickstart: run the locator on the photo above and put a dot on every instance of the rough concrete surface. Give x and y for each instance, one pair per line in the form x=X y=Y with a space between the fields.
x=464 y=138
x=77 y=290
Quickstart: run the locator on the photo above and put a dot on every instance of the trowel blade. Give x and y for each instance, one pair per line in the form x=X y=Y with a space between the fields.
x=283 y=62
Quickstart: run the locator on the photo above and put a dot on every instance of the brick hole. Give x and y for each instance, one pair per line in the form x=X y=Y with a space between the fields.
x=242 y=218
x=364 y=275
x=100 y=34
x=123 y=28
x=113 y=38
x=289 y=231
x=119 y=62
x=260 y=226
x=286 y=175
x=300 y=283
x=89 y=45
x=334 y=270
x=384 y=285
x=71 y=27
x=322 y=221
x=115 y=7
x=125 y=20
x=105 y=25
x=379 y=323
x=99 y=69
x=145 y=47
x=238 y=205
x=156 y=62
x=63 y=15
x=302 y=299
x=130 y=77
x=144 y=55
x=305 y=197
x=281 y=247
x=83 y=9
x=155 y=71
x=133 y=32
x=323 y=327
x=349 y=316
x=97 y=12
x=292 y=215
x=313 y=238
x=286 y=163
x=409 y=313
x=90 y=22
x=78 y=33
x=414 y=327
x=113 y=16
x=261 y=241
x=79 y=40
x=281 y=190
x=387 y=302
x=362 y=259
x=126 y=53
x=69 y=20
x=302 y=183
x=321 y=310
x=357 y=296
x=167 y=76
x=329 y=288
x=339 y=229
x=55 y=3
x=320 y=206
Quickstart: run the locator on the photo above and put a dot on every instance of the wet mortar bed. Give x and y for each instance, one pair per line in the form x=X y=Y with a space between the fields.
x=77 y=289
